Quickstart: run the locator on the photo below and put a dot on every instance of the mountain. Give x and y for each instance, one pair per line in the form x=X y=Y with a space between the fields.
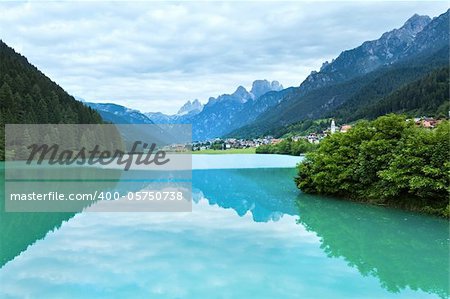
x=261 y=87
x=426 y=96
x=118 y=114
x=230 y=111
x=361 y=76
x=389 y=48
x=433 y=37
x=226 y=112
x=191 y=107
x=183 y=116
x=160 y=118
x=28 y=96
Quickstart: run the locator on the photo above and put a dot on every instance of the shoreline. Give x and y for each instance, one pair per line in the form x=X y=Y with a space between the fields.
x=250 y=150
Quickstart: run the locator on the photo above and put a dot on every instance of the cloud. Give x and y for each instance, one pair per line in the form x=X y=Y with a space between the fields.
x=155 y=56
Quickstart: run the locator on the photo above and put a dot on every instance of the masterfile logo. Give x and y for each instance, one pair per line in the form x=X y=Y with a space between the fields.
x=98 y=168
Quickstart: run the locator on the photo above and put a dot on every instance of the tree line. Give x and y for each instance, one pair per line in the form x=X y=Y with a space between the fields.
x=388 y=161
x=287 y=147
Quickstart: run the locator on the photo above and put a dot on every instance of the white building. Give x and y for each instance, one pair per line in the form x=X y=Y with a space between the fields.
x=333 y=127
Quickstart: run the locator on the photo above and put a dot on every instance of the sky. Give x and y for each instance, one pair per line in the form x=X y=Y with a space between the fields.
x=154 y=56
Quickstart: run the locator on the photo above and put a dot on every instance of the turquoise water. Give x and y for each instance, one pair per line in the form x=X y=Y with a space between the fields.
x=251 y=234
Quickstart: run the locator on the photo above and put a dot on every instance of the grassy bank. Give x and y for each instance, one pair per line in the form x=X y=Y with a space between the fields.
x=250 y=150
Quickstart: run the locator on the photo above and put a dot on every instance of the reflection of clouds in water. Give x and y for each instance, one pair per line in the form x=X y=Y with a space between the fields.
x=207 y=252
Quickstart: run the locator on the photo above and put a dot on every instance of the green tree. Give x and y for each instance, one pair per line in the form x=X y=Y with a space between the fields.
x=387 y=161
x=6 y=96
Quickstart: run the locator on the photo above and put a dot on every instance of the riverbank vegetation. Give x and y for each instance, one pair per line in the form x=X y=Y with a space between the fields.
x=388 y=161
x=287 y=147
x=249 y=150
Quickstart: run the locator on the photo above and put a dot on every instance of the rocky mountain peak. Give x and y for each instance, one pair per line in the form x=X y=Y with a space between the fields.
x=189 y=106
x=276 y=86
x=240 y=91
x=242 y=94
x=260 y=87
x=408 y=31
x=416 y=23
x=416 y=35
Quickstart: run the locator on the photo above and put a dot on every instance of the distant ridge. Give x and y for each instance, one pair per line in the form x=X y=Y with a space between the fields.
x=118 y=114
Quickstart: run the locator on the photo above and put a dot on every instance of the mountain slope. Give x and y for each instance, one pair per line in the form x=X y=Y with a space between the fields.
x=393 y=78
x=28 y=96
x=118 y=114
x=427 y=96
x=433 y=37
x=388 y=49
x=319 y=94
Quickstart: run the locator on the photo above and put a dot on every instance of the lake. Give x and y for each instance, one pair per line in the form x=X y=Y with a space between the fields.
x=251 y=234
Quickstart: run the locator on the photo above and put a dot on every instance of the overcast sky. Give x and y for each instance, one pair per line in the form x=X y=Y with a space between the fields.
x=156 y=56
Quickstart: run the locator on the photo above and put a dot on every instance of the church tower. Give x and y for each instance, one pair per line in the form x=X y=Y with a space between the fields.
x=333 y=127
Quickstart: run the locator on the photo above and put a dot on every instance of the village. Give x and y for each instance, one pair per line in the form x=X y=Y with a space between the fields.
x=315 y=138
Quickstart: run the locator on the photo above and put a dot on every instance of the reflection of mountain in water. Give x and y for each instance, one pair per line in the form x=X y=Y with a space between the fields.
x=266 y=193
x=400 y=249
x=21 y=229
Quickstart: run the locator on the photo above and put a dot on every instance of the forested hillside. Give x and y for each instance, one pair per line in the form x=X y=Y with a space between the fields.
x=28 y=96
x=427 y=96
x=344 y=99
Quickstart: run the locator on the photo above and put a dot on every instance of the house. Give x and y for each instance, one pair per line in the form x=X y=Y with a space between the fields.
x=276 y=141
x=312 y=138
x=426 y=122
x=429 y=123
x=345 y=128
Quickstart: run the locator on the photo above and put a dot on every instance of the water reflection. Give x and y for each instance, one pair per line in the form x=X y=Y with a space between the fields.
x=266 y=193
x=402 y=250
x=21 y=229
x=270 y=250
